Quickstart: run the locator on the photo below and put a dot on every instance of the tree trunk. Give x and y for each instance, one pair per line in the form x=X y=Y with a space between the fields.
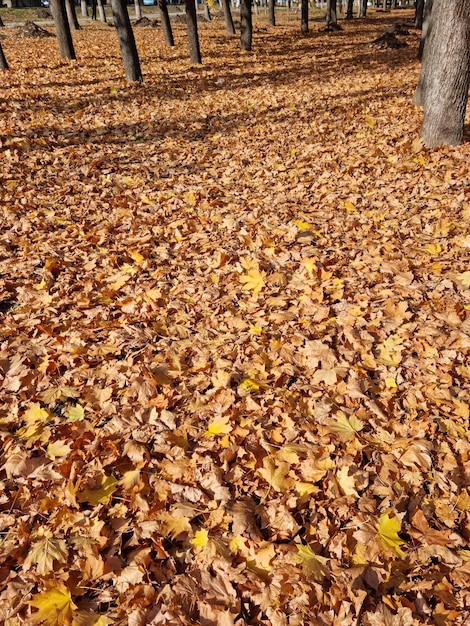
x=3 y=61
x=72 y=15
x=447 y=53
x=349 y=10
x=64 y=36
x=193 y=35
x=272 y=12
x=304 y=17
x=207 y=12
x=362 y=8
x=229 y=25
x=126 y=40
x=93 y=9
x=101 y=11
x=84 y=8
x=137 y=10
x=419 y=10
x=246 y=25
x=166 y=24
x=425 y=27
x=331 y=17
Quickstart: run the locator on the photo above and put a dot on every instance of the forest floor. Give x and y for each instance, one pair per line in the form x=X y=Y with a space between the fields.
x=235 y=328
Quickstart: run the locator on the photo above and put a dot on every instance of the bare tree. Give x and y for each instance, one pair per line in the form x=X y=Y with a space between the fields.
x=166 y=24
x=126 y=40
x=304 y=17
x=193 y=35
x=64 y=36
x=246 y=25
x=272 y=12
x=229 y=25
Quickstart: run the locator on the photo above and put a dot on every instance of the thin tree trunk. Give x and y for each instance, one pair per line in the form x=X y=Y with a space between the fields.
x=246 y=25
x=229 y=25
x=304 y=17
x=72 y=15
x=362 y=8
x=419 y=11
x=137 y=10
x=207 y=12
x=427 y=13
x=126 y=40
x=93 y=9
x=64 y=36
x=84 y=8
x=166 y=24
x=331 y=17
x=3 y=61
x=447 y=52
x=272 y=12
x=193 y=35
x=101 y=11
x=349 y=10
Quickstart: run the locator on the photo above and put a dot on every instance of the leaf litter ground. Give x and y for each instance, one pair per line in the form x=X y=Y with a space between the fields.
x=235 y=330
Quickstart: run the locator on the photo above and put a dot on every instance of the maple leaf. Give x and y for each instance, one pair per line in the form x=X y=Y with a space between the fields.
x=346 y=482
x=346 y=427
x=219 y=426
x=389 y=351
x=253 y=280
x=55 y=605
x=276 y=474
x=387 y=534
x=461 y=279
x=44 y=552
x=100 y=495
x=201 y=537
x=312 y=564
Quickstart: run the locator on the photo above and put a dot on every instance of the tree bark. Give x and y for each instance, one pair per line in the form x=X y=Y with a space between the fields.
x=72 y=15
x=229 y=25
x=331 y=16
x=349 y=10
x=246 y=25
x=166 y=24
x=193 y=35
x=84 y=8
x=425 y=27
x=3 y=61
x=362 y=8
x=272 y=12
x=126 y=40
x=207 y=12
x=304 y=17
x=64 y=36
x=447 y=53
x=137 y=10
x=101 y=11
x=419 y=11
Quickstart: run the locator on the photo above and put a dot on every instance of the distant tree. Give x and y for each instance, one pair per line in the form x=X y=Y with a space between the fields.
x=426 y=21
x=84 y=8
x=101 y=11
x=62 y=27
x=72 y=15
x=3 y=61
x=331 y=15
x=207 y=11
x=445 y=73
x=246 y=25
x=362 y=8
x=137 y=10
x=166 y=24
x=193 y=35
x=229 y=25
x=419 y=11
x=126 y=40
x=304 y=16
x=272 y=12
x=349 y=10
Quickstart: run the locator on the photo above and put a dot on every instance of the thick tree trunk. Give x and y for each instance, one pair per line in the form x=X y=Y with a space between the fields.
x=272 y=12
x=126 y=40
x=101 y=11
x=349 y=10
x=72 y=15
x=331 y=16
x=419 y=10
x=304 y=17
x=447 y=52
x=193 y=35
x=64 y=36
x=166 y=24
x=137 y=10
x=425 y=27
x=84 y=8
x=3 y=61
x=229 y=25
x=246 y=25
x=362 y=8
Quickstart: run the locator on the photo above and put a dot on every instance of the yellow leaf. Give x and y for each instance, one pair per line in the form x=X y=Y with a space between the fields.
x=219 y=426
x=276 y=475
x=346 y=427
x=131 y=479
x=101 y=495
x=346 y=482
x=370 y=121
x=387 y=534
x=201 y=537
x=261 y=562
x=433 y=248
x=312 y=564
x=302 y=225
x=55 y=606
x=58 y=449
x=350 y=207
x=44 y=552
x=310 y=264
x=253 y=280
x=41 y=285
x=389 y=351
x=248 y=385
x=462 y=279
x=136 y=256
x=190 y=198
x=83 y=618
x=390 y=383
x=75 y=413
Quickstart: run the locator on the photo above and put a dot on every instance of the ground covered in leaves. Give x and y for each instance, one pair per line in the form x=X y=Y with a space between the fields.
x=235 y=327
